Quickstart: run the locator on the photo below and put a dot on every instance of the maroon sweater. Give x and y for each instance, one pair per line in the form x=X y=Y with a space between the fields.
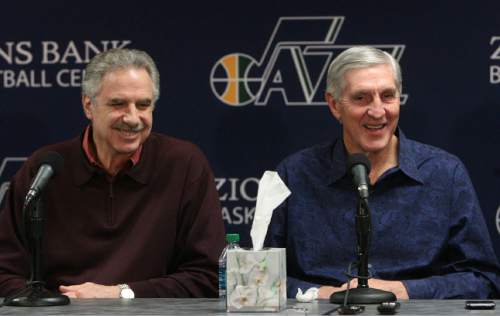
x=156 y=227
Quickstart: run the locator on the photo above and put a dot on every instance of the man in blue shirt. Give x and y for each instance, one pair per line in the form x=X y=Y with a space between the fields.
x=429 y=239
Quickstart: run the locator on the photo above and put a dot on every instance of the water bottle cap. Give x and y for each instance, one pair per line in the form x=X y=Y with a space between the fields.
x=232 y=238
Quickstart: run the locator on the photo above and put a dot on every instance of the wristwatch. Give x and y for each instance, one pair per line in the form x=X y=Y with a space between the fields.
x=126 y=291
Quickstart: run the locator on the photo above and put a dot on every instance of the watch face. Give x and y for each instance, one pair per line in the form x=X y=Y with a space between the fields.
x=127 y=293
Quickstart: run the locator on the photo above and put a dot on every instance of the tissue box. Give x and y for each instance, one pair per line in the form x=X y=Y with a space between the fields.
x=256 y=280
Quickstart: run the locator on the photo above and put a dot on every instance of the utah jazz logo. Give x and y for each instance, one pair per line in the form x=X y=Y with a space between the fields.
x=8 y=167
x=292 y=68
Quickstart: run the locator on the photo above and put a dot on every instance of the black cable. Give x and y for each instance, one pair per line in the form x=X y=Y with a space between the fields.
x=345 y=308
x=331 y=311
x=351 y=276
x=349 y=279
x=36 y=285
x=15 y=295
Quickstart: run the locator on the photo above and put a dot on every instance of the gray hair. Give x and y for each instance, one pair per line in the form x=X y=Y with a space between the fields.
x=114 y=59
x=358 y=57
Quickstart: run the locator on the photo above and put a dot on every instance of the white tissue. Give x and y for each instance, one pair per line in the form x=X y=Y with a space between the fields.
x=307 y=297
x=271 y=193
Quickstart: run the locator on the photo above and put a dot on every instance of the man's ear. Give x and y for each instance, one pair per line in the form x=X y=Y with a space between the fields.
x=87 y=103
x=333 y=106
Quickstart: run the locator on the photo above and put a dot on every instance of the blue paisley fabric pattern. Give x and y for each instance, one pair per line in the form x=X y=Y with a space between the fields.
x=427 y=226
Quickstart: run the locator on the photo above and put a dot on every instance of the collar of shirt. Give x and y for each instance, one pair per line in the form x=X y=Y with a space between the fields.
x=407 y=158
x=89 y=153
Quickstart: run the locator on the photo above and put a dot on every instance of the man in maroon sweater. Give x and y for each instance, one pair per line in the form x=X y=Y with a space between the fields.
x=132 y=212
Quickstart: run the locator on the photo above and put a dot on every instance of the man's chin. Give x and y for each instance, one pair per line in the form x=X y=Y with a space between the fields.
x=374 y=148
x=126 y=150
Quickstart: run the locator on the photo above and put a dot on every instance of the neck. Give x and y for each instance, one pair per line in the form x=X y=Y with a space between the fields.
x=383 y=160
x=112 y=163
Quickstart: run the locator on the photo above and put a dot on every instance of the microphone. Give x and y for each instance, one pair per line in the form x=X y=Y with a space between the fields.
x=34 y=293
x=50 y=164
x=359 y=166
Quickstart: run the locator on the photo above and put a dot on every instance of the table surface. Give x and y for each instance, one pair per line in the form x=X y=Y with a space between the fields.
x=169 y=306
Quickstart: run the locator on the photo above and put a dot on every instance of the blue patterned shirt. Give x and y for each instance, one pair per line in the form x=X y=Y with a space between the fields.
x=427 y=226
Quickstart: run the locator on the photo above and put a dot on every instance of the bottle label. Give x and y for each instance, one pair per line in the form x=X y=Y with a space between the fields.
x=222 y=280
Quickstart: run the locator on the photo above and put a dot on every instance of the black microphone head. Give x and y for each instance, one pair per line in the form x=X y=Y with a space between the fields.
x=357 y=159
x=53 y=159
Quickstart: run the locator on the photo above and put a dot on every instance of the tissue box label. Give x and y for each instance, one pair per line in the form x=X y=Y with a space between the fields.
x=256 y=280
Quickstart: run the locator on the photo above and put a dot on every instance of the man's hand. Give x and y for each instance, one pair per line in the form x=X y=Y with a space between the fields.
x=90 y=290
x=325 y=292
x=395 y=287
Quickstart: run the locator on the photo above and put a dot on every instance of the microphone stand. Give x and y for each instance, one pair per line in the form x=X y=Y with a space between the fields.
x=35 y=293
x=363 y=294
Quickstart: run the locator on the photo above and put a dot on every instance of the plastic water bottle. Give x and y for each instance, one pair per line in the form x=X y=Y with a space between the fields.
x=232 y=243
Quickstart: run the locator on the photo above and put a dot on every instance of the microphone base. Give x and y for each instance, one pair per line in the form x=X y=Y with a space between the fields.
x=363 y=295
x=36 y=296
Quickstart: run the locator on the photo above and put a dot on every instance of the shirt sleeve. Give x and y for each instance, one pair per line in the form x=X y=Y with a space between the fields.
x=277 y=237
x=201 y=241
x=293 y=284
x=471 y=269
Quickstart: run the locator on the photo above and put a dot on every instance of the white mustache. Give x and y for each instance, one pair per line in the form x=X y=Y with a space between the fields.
x=127 y=128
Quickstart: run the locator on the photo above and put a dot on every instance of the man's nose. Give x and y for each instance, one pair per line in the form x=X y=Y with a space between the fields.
x=131 y=115
x=376 y=108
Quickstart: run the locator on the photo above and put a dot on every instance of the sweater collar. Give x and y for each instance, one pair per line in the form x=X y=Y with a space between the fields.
x=139 y=170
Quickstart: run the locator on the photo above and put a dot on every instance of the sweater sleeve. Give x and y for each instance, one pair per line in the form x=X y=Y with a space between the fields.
x=199 y=243
x=14 y=260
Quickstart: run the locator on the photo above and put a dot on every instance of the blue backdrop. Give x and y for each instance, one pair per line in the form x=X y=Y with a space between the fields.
x=245 y=80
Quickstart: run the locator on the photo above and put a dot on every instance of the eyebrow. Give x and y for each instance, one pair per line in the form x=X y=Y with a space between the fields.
x=369 y=91
x=143 y=101
x=112 y=100
x=391 y=90
x=115 y=100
